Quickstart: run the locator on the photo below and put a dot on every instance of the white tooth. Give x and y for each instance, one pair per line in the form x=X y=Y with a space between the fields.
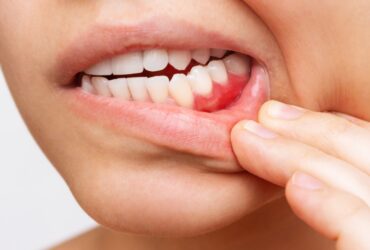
x=218 y=72
x=237 y=64
x=103 y=68
x=200 y=81
x=179 y=59
x=101 y=86
x=155 y=59
x=131 y=63
x=218 y=53
x=158 y=88
x=119 y=88
x=201 y=55
x=86 y=85
x=138 y=89
x=181 y=92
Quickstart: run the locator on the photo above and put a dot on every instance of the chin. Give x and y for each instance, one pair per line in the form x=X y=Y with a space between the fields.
x=167 y=200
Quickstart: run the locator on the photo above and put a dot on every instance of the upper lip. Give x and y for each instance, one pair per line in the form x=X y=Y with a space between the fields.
x=105 y=40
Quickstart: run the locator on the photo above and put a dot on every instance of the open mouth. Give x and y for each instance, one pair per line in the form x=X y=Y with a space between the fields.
x=162 y=89
x=204 y=79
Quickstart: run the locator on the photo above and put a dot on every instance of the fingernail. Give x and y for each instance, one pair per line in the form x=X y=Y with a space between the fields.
x=254 y=128
x=306 y=181
x=283 y=111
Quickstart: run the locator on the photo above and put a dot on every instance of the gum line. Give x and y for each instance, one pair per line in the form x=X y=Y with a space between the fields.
x=222 y=95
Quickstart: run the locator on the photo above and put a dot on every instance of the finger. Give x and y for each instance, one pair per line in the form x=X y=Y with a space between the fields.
x=327 y=132
x=275 y=158
x=336 y=214
x=358 y=122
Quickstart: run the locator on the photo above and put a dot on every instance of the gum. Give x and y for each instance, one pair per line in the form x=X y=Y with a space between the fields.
x=222 y=96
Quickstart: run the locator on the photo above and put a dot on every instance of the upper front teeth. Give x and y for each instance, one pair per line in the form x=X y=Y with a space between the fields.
x=201 y=55
x=155 y=59
x=179 y=59
x=103 y=68
x=152 y=60
x=130 y=63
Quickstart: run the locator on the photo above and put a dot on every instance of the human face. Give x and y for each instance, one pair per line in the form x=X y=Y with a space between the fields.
x=158 y=168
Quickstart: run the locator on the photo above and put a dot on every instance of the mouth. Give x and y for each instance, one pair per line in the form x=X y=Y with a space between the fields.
x=205 y=80
x=175 y=85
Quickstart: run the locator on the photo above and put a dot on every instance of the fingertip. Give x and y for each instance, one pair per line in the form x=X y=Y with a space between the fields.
x=301 y=185
x=306 y=195
x=250 y=127
x=240 y=137
x=303 y=202
x=239 y=127
x=236 y=132
x=334 y=213
x=305 y=181
x=263 y=112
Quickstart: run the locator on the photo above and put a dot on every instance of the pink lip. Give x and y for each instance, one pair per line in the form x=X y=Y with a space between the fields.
x=197 y=133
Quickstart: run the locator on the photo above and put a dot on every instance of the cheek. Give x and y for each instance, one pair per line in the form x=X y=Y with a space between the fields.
x=307 y=33
x=25 y=38
x=16 y=19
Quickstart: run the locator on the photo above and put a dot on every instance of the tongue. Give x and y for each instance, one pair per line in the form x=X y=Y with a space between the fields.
x=222 y=95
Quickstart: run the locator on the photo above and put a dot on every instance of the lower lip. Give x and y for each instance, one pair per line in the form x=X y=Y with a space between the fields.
x=179 y=129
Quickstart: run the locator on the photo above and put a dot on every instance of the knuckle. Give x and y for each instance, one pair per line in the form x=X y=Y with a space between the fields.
x=331 y=130
x=337 y=127
x=356 y=212
x=309 y=158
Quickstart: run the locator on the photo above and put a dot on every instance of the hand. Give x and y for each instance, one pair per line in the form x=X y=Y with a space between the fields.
x=322 y=160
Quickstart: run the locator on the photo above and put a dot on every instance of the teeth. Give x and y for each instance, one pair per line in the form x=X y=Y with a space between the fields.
x=180 y=91
x=119 y=88
x=200 y=81
x=131 y=63
x=155 y=59
x=201 y=55
x=218 y=53
x=86 y=85
x=217 y=71
x=182 y=88
x=179 y=59
x=237 y=64
x=101 y=86
x=158 y=88
x=138 y=89
x=101 y=69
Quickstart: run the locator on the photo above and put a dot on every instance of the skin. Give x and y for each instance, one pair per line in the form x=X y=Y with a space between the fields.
x=320 y=60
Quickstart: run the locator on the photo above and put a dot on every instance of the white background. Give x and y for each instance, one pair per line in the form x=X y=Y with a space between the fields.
x=36 y=207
